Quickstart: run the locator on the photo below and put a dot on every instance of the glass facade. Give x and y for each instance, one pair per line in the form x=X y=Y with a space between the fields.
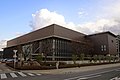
x=62 y=49
x=54 y=48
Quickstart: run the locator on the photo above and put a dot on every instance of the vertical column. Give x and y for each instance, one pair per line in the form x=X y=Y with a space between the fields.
x=53 y=58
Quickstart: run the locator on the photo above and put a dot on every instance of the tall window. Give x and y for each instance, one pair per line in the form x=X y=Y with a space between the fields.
x=103 y=48
x=53 y=43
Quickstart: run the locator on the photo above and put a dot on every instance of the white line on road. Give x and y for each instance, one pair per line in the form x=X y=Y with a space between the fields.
x=38 y=74
x=22 y=74
x=81 y=78
x=92 y=74
x=115 y=78
x=3 y=76
x=89 y=77
x=117 y=70
x=13 y=75
x=30 y=74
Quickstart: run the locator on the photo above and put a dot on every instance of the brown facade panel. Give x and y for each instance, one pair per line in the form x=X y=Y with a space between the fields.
x=52 y=30
x=68 y=33
x=112 y=44
x=35 y=35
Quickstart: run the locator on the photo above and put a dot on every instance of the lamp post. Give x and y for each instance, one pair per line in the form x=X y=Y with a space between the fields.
x=15 y=56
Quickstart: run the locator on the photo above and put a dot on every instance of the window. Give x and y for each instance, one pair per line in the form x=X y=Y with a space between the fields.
x=53 y=44
x=103 y=47
x=112 y=41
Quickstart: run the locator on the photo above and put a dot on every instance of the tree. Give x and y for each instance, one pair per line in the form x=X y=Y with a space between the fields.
x=74 y=58
x=89 y=58
x=108 y=57
x=100 y=57
x=95 y=57
x=39 y=57
x=20 y=54
x=82 y=57
x=78 y=47
x=75 y=47
x=46 y=48
x=27 y=51
x=89 y=47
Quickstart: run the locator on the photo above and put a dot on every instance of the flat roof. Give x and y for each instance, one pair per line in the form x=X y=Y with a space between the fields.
x=107 y=32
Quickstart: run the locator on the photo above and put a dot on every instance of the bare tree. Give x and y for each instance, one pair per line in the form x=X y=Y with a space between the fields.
x=78 y=48
x=27 y=51
x=75 y=47
x=46 y=48
x=89 y=47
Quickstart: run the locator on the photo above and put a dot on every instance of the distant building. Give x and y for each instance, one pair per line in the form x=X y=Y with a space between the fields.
x=1 y=54
x=59 y=43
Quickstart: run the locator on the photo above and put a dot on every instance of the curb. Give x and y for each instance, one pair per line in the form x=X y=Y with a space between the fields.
x=72 y=70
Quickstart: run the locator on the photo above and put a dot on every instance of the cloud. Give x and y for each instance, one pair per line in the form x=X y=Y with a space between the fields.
x=17 y=34
x=100 y=25
x=109 y=20
x=44 y=17
x=3 y=44
x=82 y=13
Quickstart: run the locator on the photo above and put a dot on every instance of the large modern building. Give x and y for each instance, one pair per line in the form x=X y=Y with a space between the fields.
x=118 y=44
x=59 y=43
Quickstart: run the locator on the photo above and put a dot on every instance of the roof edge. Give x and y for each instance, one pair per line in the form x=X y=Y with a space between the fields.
x=103 y=33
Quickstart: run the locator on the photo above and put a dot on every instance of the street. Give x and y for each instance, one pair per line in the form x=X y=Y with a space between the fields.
x=112 y=73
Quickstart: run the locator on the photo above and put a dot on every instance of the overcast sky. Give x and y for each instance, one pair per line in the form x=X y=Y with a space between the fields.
x=18 y=17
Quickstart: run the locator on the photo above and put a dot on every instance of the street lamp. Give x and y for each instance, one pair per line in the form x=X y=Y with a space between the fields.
x=14 y=56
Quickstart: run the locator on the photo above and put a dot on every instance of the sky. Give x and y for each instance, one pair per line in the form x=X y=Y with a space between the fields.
x=18 y=17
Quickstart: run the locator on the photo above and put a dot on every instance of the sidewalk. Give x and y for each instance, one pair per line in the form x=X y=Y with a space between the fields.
x=70 y=70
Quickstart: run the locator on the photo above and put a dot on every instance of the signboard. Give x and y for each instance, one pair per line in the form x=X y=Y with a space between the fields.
x=14 y=56
x=15 y=51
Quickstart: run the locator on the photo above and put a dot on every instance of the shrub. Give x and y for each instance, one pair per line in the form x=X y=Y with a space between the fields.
x=69 y=65
x=45 y=67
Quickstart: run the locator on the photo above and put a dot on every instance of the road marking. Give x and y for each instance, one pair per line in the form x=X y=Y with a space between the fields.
x=84 y=77
x=30 y=74
x=7 y=69
x=38 y=74
x=22 y=74
x=13 y=75
x=91 y=74
x=89 y=77
x=3 y=76
x=117 y=70
x=115 y=78
x=81 y=78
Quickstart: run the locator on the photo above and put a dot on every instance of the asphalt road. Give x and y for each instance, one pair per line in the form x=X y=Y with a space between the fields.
x=101 y=74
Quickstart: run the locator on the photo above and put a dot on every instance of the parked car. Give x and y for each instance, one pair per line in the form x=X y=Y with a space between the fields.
x=10 y=60
x=3 y=60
